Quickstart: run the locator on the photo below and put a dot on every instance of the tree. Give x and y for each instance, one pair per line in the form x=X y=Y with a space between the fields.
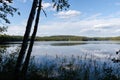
x=25 y=66
x=3 y=29
x=25 y=38
x=6 y=10
x=59 y=4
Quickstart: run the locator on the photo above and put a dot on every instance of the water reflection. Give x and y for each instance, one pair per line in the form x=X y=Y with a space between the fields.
x=100 y=49
x=85 y=58
x=67 y=44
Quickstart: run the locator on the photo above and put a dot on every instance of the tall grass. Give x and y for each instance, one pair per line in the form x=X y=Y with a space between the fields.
x=61 y=68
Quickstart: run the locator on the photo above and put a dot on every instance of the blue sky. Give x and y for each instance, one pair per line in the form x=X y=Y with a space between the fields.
x=99 y=18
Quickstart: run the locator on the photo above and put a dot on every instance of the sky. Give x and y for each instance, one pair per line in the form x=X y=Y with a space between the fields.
x=92 y=18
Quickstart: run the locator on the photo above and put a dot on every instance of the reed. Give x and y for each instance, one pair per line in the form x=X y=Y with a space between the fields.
x=61 y=68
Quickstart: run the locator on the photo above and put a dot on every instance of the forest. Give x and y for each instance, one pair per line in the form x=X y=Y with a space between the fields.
x=8 y=38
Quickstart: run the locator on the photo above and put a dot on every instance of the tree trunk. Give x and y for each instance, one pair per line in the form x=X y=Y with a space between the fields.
x=27 y=59
x=26 y=38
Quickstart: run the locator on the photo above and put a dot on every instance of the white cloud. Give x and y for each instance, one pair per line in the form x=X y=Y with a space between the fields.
x=46 y=5
x=101 y=26
x=68 y=14
x=16 y=30
x=24 y=1
x=91 y=27
x=94 y=16
x=118 y=30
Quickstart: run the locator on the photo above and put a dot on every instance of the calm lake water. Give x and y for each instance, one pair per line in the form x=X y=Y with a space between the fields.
x=94 y=56
x=97 y=49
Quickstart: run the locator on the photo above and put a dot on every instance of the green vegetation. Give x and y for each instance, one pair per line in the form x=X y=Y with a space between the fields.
x=7 y=38
x=6 y=10
x=60 y=68
x=62 y=38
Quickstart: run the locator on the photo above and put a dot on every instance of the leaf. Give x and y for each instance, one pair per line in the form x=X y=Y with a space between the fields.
x=19 y=13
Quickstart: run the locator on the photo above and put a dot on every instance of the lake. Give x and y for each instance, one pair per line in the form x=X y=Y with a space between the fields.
x=97 y=49
x=81 y=58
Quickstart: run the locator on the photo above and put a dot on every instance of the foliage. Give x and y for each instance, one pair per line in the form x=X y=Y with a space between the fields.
x=7 y=63
x=3 y=29
x=8 y=38
x=5 y=11
x=61 y=4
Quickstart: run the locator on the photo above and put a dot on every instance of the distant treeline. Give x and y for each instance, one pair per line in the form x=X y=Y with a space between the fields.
x=76 y=38
x=8 y=38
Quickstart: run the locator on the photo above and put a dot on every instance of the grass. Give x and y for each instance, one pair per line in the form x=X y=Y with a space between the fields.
x=61 y=68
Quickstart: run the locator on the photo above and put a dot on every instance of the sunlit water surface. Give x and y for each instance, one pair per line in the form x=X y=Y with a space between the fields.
x=98 y=49
x=84 y=53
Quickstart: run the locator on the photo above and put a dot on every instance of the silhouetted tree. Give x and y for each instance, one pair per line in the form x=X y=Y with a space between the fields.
x=25 y=38
x=25 y=66
x=59 y=4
